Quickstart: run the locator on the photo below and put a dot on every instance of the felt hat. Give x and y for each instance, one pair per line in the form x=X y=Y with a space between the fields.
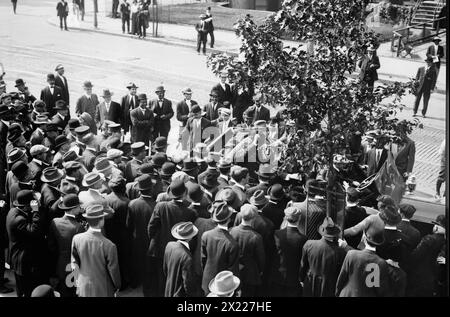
x=60 y=141
x=145 y=182
x=58 y=67
x=195 y=192
x=19 y=82
x=87 y=84
x=14 y=155
x=187 y=91
x=168 y=169
x=276 y=192
x=90 y=179
x=224 y=283
x=113 y=154
x=159 y=89
x=441 y=220
x=51 y=174
x=160 y=143
x=23 y=198
x=38 y=149
x=258 y=199
x=177 y=189
x=329 y=229
x=184 y=230
x=94 y=211
x=132 y=85
x=69 y=201
x=220 y=211
x=228 y=195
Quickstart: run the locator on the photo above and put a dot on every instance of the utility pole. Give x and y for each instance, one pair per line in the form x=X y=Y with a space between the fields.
x=95 y=13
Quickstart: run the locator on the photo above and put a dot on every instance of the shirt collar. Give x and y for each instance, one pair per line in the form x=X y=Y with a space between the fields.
x=224 y=176
x=70 y=215
x=95 y=190
x=5 y=122
x=185 y=244
x=94 y=229
x=390 y=227
x=38 y=161
x=91 y=148
x=196 y=204
x=223 y=227
x=239 y=185
x=88 y=96
x=61 y=116
x=70 y=178
x=291 y=225
x=370 y=248
x=406 y=220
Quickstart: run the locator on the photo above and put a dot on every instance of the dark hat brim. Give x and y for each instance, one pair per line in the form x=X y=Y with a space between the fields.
x=63 y=207
x=16 y=204
x=330 y=234
x=47 y=180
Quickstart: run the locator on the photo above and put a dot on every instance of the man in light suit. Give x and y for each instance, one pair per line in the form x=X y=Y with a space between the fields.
x=163 y=112
x=142 y=122
x=128 y=103
x=95 y=259
x=223 y=89
x=61 y=81
x=51 y=94
x=436 y=52
x=108 y=110
x=426 y=78
x=404 y=155
x=184 y=107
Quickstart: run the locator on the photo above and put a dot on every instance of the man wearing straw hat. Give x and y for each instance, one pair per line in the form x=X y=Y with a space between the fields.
x=108 y=109
x=177 y=266
x=224 y=284
x=94 y=258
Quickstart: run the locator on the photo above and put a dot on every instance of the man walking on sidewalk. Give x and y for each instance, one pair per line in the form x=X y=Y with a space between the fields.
x=426 y=81
x=14 y=3
x=63 y=10
x=209 y=26
x=201 y=33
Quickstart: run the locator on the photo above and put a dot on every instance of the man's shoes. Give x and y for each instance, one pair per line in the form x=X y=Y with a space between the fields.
x=5 y=290
x=423 y=116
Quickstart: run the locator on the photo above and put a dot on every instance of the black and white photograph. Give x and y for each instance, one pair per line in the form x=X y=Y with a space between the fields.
x=249 y=149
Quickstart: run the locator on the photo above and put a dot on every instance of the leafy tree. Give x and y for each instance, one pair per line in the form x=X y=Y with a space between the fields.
x=314 y=86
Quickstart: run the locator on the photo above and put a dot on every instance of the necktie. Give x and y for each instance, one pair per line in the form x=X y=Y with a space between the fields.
x=377 y=156
x=132 y=102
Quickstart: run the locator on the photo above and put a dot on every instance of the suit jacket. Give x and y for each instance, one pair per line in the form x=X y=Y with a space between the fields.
x=320 y=266
x=289 y=244
x=62 y=231
x=114 y=114
x=274 y=211
x=262 y=114
x=183 y=111
x=84 y=104
x=50 y=99
x=164 y=217
x=224 y=95
x=203 y=225
x=179 y=271
x=56 y=119
x=162 y=114
x=126 y=108
x=131 y=170
x=352 y=216
x=395 y=247
x=192 y=136
x=412 y=236
x=219 y=252
x=88 y=158
x=98 y=267
x=405 y=157
x=373 y=165
x=212 y=113
x=62 y=9
x=352 y=280
x=431 y=51
x=142 y=125
x=368 y=73
x=426 y=78
x=251 y=254
x=116 y=226
x=61 y=81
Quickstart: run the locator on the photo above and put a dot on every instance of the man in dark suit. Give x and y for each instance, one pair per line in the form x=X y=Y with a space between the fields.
x=436 y=52
x=369 y=65
x=274 y=210
x=219 y=250
x=240 y=177
x=209 y=26
x=223 y=89
x=251 y=252
x=142 y=122
x=163 y=112
x=184 y=107
x=376 y=157
x=265 y=174
x=132 y=167
x=258 y=111
x=164 y=217
x=404 y=156
x=200 y=27
x=62 y=231
x=289 y=244
x=353 y=214
x=212 y=108
x=4 y=124
x=321 y=262
x=90 y=152
x=61 y=118
x=88 y=102
x=426 y=82
x=24 y=226
x=108 y=110
x=140 y=212
x=61 y=81
x=412 y=235
x=242 y=100
x=128 y=103
x=40 y=155
x=95 y=258
x=51 y=94
x=62 y=9
x=177 y=266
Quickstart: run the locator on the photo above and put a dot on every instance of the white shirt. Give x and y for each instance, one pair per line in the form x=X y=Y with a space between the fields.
x=61 y=116
x=378 y=154
x=223 y=86
x=225 y=125
x=368 y=247
x=222 y=227
x=107 y=105
x=240 y=186
x=88 y=96
x=94 y=229
x=185 y=244
x=52 y=89
x=7 y=123
x=291 y=225
x=62 y=78
x=70 y=215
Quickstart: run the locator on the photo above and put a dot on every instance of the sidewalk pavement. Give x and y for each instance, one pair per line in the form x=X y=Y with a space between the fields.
x=392 y=68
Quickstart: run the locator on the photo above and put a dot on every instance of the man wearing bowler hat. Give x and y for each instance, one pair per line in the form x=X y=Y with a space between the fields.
x=94 y=258
x=163 y=112
x=412 y=235
x=108 y=109
x=24 y=93
x=353 y=214
x=164 y=217
x=128 y=103
x=436 y=52
x=62 y=231
x=142 y=122
x=321 y=261
x=274 y=209
x=38 y=135
x=184 y=108
x=368 y=67
x=24 y=226
x=51 y=94
x=177 y=266
x=51 y=178
x=219 y=250
x=62 y=116
x=61 y=81
x=426 y=82
x=139 y=157
x=88 y=102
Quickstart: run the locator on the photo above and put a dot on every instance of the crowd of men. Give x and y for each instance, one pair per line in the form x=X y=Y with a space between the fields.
x=90 y=212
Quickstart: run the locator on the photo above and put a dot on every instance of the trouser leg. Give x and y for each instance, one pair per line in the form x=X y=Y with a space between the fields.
x=426 y=98
x=211 y=33
x=61 y=22
x=417 y=102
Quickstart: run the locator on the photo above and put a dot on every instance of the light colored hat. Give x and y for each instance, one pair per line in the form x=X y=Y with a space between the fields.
x=38 y=149
x=184 y=230
x=113 y=154
x=224 y=283
x=225 y=111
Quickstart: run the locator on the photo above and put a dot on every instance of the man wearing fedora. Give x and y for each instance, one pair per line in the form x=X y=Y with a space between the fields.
x=425 y=83
x=165 y=215
x=145 y=169
x=90 y=151
x=321 y=262
x=108 y=109
x=200 y=27
x=436 y=52
x=142 y=122
x=62 y=116
x=94 y=258
x=163 y=112
x=289 y=244
x=184 y=108
x=40 y=161
x=50 y=177
x=62 y=231
x=51 y=94
x=93 y=184
x=88 y=102
x=274 y=209
x=61 y=81
x=368 y=66
x=212 y=108
x=224 y=167
x=139 y=157
x=24 y=226
x=140 y=211
x=224 y=284
x=61 y=147
x=24 y=93
x=177 y=266
x=199 y=203
x=223 y=89
x=363 y=272
x=38 y=135
x=128 y=103
x=265 y=174
x=251 y=252
x=240 y=178
x=219 y=250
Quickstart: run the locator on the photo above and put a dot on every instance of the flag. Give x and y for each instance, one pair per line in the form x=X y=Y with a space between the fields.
x=389 y=181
